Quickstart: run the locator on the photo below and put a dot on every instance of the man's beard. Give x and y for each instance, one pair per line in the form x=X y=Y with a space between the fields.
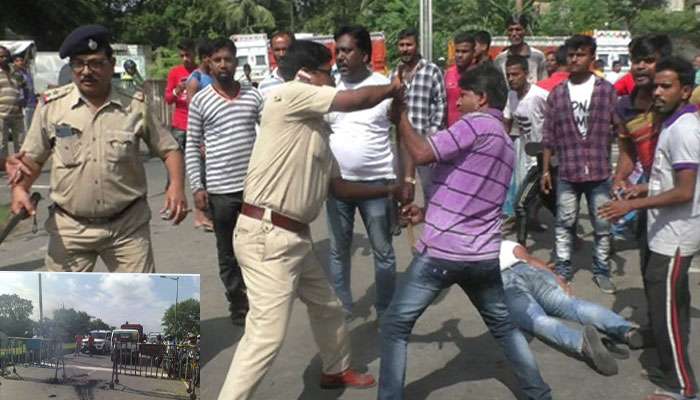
x=225 y=79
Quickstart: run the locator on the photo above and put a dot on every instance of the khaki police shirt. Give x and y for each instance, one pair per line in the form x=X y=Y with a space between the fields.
x=292 y=164
x=96 y=169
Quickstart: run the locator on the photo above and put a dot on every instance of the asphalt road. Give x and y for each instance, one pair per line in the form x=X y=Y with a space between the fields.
x=86 y=378
x=451 y=355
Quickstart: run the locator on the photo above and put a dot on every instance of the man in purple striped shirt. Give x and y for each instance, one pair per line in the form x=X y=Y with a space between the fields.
x=579 y=126
x=473 y=163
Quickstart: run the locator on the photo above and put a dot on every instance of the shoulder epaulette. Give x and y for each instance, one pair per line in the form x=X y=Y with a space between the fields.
x=56 y=93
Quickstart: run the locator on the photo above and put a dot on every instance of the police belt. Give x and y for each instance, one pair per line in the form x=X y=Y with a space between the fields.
x=276 y=218
x=98 y=220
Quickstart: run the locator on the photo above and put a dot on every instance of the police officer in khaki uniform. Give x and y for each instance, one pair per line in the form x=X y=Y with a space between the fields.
x=289 y=175
x=91 y=131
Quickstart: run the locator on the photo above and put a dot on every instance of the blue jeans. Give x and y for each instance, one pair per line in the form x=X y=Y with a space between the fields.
x=568 y=198
x=534 y=299
x=481 y=281
x=341 y=220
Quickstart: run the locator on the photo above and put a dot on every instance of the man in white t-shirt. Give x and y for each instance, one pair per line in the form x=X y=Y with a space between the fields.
x=538 y=301
x=525 y=112
x=672 y=200
x=362 y=146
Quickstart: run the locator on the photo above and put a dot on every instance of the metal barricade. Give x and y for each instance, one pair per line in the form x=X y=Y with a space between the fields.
x=34 y=352
x=162 y=361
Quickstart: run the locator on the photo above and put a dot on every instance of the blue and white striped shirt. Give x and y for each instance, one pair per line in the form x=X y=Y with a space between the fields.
x=227 y=129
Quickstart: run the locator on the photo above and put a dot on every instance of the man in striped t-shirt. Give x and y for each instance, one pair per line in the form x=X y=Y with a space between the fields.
x=223 y=115
x=462 y=235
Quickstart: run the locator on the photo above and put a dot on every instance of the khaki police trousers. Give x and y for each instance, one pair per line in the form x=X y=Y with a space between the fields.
x=279 y=265
x=124 y=245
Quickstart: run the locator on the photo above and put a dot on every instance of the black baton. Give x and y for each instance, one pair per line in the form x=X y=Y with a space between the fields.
x=15 y=219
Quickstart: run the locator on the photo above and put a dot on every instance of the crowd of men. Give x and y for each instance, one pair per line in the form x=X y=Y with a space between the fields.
x=487 y=139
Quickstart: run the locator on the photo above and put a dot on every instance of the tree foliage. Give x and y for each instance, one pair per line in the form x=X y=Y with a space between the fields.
x=187 y=320
x=14 y=315
x=67 y=323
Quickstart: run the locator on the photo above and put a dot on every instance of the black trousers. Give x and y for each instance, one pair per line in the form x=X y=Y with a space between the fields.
x=668 y=297
x=224 y=210
x=530 y=194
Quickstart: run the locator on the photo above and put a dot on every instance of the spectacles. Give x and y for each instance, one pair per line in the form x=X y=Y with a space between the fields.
x=94 y=64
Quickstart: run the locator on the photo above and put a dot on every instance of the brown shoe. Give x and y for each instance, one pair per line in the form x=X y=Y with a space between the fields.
x=348 y=379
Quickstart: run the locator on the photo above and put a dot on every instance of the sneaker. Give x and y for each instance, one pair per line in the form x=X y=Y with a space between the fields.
x=348 y=379
x=595 y=353
x=604 y=284
x=660 y=394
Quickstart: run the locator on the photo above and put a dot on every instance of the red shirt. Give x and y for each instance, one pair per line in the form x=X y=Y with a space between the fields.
x=175 y=76
x=625 y=85
x=556 y=78
x=452 y=89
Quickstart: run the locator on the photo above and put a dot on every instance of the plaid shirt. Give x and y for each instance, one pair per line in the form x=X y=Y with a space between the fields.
x=426 y=99
x=581 y=160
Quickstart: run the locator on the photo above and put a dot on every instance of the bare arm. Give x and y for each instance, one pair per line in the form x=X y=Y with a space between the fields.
x=192 y=86
x=363 y=98
x=416 y=145
x=625 y=161
x=682 y=192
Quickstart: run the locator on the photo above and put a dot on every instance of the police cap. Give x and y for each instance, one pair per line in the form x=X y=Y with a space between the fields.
x=85 y=39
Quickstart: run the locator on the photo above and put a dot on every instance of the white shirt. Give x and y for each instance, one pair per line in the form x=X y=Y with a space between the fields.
x=506 y=256
x=360 y=140
x=613 y=76
x=580 y=96
x=528 y=113
x=673 y=227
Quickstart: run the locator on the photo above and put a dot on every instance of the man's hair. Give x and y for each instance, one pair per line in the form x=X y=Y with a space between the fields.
x=561 y=54
x=288 y=34
x=649 y=45
x=616 y=63
x=6 y=49
x=408 y=32
x=580 y=41
x=682 y=67
x=517 y=59
x=517 y=20
x=204 y=49
x=465 y=37
x=486 y=79
x=483 y=37
x=187 y=45
x=360 y=34
x=222 y=43
x=303 y=54
x=599 y=63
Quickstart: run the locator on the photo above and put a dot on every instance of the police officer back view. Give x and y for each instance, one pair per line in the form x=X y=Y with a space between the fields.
x=91 y=132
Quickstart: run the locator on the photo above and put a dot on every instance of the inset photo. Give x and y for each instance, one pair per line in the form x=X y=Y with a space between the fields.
x=99 y=336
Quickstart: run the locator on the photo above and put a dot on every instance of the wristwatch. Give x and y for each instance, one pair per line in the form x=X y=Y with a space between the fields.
x=410 y=180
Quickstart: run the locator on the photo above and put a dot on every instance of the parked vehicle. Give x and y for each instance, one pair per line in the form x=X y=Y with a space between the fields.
x=102 y=342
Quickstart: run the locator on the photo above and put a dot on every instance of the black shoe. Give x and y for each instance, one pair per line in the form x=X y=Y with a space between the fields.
x=604 y=284
x=595 y=353
x=640 y=338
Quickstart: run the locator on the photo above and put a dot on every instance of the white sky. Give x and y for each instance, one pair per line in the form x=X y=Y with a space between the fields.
x=113 y=298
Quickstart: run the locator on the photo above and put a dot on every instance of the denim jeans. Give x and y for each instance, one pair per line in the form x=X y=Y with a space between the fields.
x=341 y=220
x=568 y=198
x=224 y=211
x=536 y=302
x=481 y=281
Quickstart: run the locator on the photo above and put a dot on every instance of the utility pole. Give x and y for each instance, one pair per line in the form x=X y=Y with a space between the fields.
x=41 y=309
x=426 y=29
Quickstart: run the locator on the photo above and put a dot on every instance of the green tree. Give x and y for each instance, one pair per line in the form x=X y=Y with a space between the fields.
x=675 y=24
x=247 y=16
x=68 y=322
x=14 y=315
x=187 y=320
x=99 y=325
